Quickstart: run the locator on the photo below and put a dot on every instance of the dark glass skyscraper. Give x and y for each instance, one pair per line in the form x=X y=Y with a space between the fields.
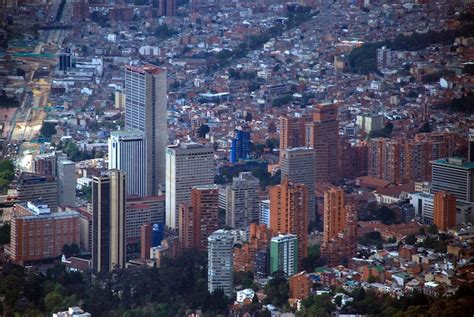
x=240 y=148
x=108 y=221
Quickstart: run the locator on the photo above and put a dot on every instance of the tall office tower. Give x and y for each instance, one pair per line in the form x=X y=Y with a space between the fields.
x=220 y=271
x=335 y=216
x=292 y=132
x=339 y=247
x=444 y=210
x=471 y=146
x=289 y=212
x=146 y=111
x=186 y=230
x=264 y=213
x=108 y=222
x=240 y=148
x=67 y=183
x=454 y=175
x=442 y=144
x=353 y=159
x=284 y=254
x=31 y=187
x=39 y=234
x=205 y=202
x=167 y=7
x=323 y=135
x=416 y=164
x=142 y=210
x=187 y=165
x=127 y=152
x=297 y=164
x=145 y=241
x=386 y=159
x=240 y=200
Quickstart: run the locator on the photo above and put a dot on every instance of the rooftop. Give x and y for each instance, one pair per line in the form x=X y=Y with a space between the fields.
x=455 y=162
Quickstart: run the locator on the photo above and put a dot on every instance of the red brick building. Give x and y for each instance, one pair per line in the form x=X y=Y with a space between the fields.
x=300 y=286
x=244 y=256
x=39 y=234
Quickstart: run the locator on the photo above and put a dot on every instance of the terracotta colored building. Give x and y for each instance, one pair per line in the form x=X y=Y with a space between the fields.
x=300 y=286
x=39 y=234
x=292 y=132
x=289 y=212
x=244 y=256
x=199 y=220
x=340 y=228
x=145 y=241
x=444 y=210
x=322 y=134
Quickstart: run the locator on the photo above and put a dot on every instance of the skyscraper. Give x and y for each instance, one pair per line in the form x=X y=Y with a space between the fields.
x=146 y=111
x=335 y=216
x=67 y=183
x=455 y=175
x=284 y=254
x=204 y=200
x=127 y=152
x=444 y=210
x=297 y=164
x=220 y=269
x=292 y=132
x=323 y=135
x=199 y=219
x=264 y=213
x=340 y=228
x=240 y=200
x=108 y=224
x=240 y=148
x=289 y=212
x=187 y=165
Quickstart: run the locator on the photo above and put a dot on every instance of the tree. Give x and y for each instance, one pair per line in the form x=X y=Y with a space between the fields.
x=277 y=289
x=52 y=300
x=433 y=229
x=425 y=128
x=7 y=174
x=5 y=234
x=203 y=130
x=71 y=250
x=48 y=129
x=410 y=239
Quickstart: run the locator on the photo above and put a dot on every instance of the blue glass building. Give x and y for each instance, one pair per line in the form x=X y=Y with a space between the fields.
x=240 y=148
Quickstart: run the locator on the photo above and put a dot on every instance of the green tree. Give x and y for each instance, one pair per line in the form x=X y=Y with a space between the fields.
x=277 y=289
x=410 y=239
x=52 y=300
x=433 y=229
x=5 y=233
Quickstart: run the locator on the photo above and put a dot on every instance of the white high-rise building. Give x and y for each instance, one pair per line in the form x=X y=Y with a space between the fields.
x=66 y=183
x=146 y=111
x=284 y=254
x=127 y=152
x=241 y=200
x=187 y=165
x=264 y=213
x=220 y=268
